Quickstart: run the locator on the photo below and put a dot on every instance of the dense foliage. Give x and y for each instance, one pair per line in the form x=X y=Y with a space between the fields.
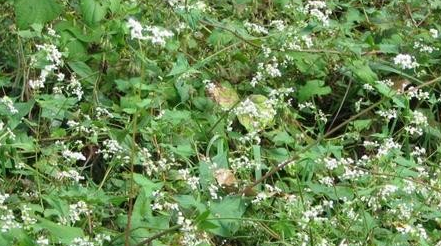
x=227 y=122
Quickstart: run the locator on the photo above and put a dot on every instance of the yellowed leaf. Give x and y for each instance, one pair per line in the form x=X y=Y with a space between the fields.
x=225 y=177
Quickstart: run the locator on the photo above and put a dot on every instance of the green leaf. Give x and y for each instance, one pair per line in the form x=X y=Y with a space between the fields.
x=229 y=207
x=28 y=12
x=64 y=234
x=84 y=71
x=363 y=72
x=311 y=88
x=92 y=11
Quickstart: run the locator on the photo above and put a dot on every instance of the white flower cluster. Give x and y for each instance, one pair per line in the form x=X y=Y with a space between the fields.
x=278 y=96
x=181 y=5
x=417 y=231
x=192 y=181
x=54 y=57
x=73 y=156
x=269 y=191
x=424 y=48
x=213 y=189
x=387 y=114
x=74 y=88
x=8 y=221
x=156 y=36
x=257 y=115
x=210 y=86
x=97 y=241
x=42 y=241
x=103 y=113
x=296 y=43
x=241 y=163
x=26 y=217
x=156 y=167
x=387 y=147
x=190 y=235
x=419 y=94
x=71 y=174
x=255 y=28
x=434 y=33
x=278 y=24
x=318 y=10
x=406 y=61
x=418 y=153
x=111 y=148
x=160 y=204
x=9 y=104
x=417 y=123
x=78 y=209
x=269 y=70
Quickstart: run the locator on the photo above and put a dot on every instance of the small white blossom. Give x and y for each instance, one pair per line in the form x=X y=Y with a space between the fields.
x=405 y=61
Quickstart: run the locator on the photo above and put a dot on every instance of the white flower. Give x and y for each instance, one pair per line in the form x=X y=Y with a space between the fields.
x=434 y=33
x=255 y=28
x=9 y=104
x=73 y=156
x=42 y=241
x=405 y=61
x=135 y=29
x=71 y=174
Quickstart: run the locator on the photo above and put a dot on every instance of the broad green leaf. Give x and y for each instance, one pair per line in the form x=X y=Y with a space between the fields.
x=64 y=234
x=363 y=72
x=28 y=12
x=229 y=207
x=312 y=88
x=93 y=11
x=84 y=71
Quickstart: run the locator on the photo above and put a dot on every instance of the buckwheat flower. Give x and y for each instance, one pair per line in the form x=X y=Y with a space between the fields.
x=405 y=61
x=158 y=35
x=42 y=241
x=213 y=189
x=3 y=198
x=387 y=114
x=135 y=29
x=412 y=92
x=255 y=28
x=103 y=112
x=9 y=104
x=278 y=24
x=319 y=11
x=307 y=40
x=330 y=163
x=78 y=209
x=387 y=146
x=387 y=191
x=423 y=48
x=111 y=148
x=73 y=156
x=26 y=218
x=8 y=221
x=71 y=174
x=52 y=53
x=60 y=76
x=434 y=33
x=74 y=87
